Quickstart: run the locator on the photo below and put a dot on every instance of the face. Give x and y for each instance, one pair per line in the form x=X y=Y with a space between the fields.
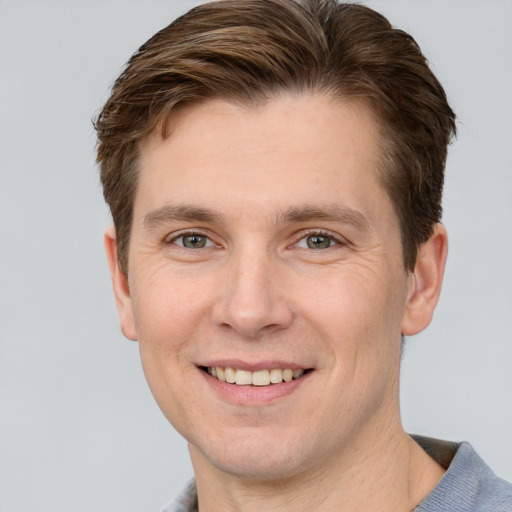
x=265 y=251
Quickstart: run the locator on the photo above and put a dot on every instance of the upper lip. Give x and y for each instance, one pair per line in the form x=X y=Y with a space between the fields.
x=253 y=366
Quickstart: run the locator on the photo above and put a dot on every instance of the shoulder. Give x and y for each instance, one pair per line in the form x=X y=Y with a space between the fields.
x=468 y=485
x=186 y=501
x=495 y=495
x=488 y=492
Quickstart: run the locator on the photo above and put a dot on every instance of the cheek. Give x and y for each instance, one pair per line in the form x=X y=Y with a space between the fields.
x=169 y=304
x=358 y=315
x=168 y=315
x=353 y=299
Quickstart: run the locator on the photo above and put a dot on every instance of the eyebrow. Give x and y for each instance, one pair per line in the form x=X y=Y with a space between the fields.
x=329 y=212
x=295 y=215
x=172 y=213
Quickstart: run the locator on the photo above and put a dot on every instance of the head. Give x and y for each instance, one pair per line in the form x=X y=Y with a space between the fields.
x=247 y=52
x=274 y=170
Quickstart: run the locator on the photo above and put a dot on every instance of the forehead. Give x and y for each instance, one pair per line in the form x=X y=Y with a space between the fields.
x=288 y=117
x=294 y=148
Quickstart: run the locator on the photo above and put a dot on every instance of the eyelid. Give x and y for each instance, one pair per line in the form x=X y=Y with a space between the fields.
x=338 y=239
x=172 y=237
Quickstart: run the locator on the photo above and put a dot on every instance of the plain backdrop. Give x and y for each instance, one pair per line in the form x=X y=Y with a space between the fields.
x=79 y=430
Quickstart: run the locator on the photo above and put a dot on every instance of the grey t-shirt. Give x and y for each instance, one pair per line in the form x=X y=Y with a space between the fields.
x=468 y=485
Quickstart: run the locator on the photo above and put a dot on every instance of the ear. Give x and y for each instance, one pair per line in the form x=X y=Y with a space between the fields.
x=121 y=287
x=425 y=283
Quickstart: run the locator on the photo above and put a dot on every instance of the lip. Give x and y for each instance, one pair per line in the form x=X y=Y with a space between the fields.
x=253 y=395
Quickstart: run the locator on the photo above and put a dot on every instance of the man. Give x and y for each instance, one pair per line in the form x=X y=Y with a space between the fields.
x=274 y=169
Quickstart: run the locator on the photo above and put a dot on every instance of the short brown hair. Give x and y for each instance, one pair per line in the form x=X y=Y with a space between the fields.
x=249 y=50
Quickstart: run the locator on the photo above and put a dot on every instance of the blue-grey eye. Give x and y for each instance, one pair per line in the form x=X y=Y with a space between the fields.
x=193 y=241
x=319 y=241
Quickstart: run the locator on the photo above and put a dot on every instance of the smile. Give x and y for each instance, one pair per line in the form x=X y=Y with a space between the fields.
x=257 y=378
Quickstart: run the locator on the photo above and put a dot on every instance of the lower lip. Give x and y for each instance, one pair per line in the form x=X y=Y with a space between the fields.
x=253 y=395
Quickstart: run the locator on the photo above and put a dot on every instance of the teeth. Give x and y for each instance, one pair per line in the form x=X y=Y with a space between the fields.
x=276 y=376
x=261 y=378
x=243 y=377
x=257 y=378
x=230 y=375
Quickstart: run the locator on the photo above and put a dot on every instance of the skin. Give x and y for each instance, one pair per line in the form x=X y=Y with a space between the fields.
x=257 y=295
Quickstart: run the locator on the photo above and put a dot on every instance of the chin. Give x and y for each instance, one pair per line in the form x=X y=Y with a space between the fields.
x=255 y=459
x=260 y=468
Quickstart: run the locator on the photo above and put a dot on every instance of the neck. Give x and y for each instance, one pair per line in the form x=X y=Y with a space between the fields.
x=388 y=473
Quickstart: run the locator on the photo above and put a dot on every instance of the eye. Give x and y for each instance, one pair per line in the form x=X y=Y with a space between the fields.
x=317 y=241
x=193 y=241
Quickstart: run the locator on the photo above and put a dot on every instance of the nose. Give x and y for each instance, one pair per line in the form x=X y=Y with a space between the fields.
x=251 y=299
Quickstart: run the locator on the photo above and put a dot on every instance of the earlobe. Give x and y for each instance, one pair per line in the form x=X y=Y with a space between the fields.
x=425 y=284
x=120 y=286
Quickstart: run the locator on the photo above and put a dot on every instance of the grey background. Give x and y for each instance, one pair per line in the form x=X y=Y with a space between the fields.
x=78 y=428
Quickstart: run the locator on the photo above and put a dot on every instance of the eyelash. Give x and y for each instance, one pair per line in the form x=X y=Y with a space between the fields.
x=177 y=236
x=313 y=232
x=321 y=233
